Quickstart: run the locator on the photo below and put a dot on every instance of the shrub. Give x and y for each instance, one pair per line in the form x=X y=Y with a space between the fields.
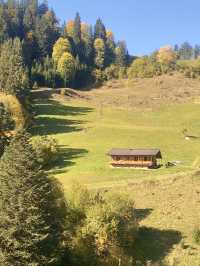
x=104 y=225
x=98 y=76
x=14 y=108
x=190 y=68
x=144 y=67
x=112 y=72
x=122 y=73
x=47 y=150
x=196 y=235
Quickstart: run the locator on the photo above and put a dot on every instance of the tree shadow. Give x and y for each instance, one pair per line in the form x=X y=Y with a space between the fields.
x=67 y=158
x=52 y=125
x=51 y=107
x=142 y=213
x=46 y=124
x=153 y=244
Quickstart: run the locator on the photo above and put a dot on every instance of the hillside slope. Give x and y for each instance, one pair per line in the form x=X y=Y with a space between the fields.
x=146 y=93
x=142 y=113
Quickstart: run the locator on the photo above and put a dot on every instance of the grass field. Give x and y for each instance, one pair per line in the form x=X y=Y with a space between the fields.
x=86 y=134
x=167 y=199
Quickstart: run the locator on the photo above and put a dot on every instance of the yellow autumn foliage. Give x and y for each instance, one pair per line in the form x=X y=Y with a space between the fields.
x=16 y=111
x=99 y=47
x=66 y=66
x=60 y=47
x=85 y=31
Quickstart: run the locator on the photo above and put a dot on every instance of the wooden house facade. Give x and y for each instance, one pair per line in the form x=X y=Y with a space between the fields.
x=147 y=158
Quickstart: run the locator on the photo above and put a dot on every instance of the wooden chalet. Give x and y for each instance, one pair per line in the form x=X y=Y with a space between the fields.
x=147 y=158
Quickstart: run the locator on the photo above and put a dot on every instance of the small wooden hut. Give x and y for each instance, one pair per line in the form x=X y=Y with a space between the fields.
x=147 y=158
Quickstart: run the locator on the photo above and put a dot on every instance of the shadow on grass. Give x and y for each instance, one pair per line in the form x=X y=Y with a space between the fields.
x=47 y=125
x=52 y=125
x=142 y=213
x=153 y=244
x=67 y=158
x=52 y=107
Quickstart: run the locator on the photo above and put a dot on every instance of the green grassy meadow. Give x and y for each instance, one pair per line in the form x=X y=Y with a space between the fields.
x=87 y=132
x=166 y=199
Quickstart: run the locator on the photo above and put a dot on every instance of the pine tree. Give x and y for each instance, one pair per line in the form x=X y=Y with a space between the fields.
x=13 y=78
x=30 y=15
x=32 y=209
x=87 y=39
x=47 y=32
x=185 y=51
x=99 y=30
x=110 y=48
x=77 y=29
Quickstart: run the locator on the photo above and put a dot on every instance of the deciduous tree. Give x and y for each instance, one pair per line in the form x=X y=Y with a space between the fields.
x=66 y=67
x=166 y=56
x=60 y=47
x=99 y=47
x=121 y=54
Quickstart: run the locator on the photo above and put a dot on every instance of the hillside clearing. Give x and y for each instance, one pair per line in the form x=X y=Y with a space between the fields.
x=167 y=199
x=86 y=132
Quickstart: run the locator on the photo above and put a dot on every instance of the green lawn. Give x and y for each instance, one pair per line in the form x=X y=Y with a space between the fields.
x=86 y=132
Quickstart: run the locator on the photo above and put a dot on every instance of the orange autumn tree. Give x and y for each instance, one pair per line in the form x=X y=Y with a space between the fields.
x=166 y=55
x=70 y=28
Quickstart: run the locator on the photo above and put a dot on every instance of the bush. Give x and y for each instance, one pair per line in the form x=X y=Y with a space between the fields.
x=104 y=225
x=112 y=72
x=47 y=150
x=196 y=235
x=144 y=67
x=190 y=68
x=122 y=73
x=98 y=76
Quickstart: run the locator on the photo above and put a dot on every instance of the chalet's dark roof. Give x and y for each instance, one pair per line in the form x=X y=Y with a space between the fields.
x=135 y=152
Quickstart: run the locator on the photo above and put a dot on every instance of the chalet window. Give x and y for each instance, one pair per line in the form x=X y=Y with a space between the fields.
x=146 y=158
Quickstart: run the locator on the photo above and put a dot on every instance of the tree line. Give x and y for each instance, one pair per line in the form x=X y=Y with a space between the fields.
x=74 y=54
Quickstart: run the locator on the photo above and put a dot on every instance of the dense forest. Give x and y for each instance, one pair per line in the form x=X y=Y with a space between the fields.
x=39 y=225
x=78 y=54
